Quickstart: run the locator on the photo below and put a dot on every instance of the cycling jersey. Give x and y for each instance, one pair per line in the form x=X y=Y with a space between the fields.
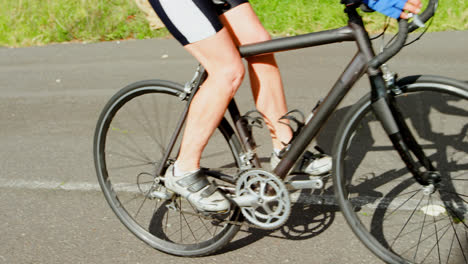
x=192 y=20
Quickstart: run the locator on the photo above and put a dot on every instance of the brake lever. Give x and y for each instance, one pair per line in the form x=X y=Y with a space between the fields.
x=417 y=21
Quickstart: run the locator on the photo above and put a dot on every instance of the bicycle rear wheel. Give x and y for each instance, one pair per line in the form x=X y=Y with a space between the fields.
x=130 y=140
x=398 y=219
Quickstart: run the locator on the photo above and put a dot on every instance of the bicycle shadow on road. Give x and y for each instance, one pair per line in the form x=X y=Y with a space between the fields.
x=313 y=218
x=305 y=222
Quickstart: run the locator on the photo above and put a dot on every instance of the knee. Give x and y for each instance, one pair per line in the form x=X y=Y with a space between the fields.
x=236 y=73
x=231 y=76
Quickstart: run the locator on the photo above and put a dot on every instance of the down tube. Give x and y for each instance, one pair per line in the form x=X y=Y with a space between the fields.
x=348 y=78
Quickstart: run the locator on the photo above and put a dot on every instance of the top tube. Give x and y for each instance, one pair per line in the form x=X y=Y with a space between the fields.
x=298 y=42
x=346 y=33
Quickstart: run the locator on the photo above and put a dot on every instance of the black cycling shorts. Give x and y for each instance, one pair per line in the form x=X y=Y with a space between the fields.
x=192 y=20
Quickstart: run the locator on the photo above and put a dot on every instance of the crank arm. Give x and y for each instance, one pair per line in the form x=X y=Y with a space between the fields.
x=312 y=183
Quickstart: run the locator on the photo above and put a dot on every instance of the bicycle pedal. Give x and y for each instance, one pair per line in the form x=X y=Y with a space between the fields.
x=162 y=195
x=314 y=182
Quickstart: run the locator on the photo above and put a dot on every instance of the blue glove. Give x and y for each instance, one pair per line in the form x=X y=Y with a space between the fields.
x=391 y=8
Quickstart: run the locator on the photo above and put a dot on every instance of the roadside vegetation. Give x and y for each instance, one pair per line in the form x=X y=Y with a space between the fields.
x=41 y=22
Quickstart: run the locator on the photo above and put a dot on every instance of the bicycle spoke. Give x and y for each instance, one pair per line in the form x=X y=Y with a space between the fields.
x=180 y=219
x=407 y=221
x=169 y=226
x=459 y=242
x=410 y=232
x=188 y=225
x=436 y=233
x=132 y=158
x=436 y=244
x=446 y=228
x=403 y=203
x=148 y=131
x=156 y=113
x=181 y=228
x=420 y=234
x=136 y=151
x=215 y=229
x=466 y=202
x=144 y=200
x=168 y=129
x=139 y=208
x=131 y=166
x=464 y=195
x=201 y=220
x=459 y=218
x=406 y=193
x=451 y=247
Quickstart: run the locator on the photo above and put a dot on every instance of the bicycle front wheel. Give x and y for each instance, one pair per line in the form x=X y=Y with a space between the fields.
x=131 y=137
x=398 y=219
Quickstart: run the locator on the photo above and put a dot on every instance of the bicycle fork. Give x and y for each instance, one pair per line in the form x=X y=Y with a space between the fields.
x=392 y=120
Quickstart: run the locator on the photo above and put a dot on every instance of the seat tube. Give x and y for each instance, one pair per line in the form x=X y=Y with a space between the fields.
x=245 y=133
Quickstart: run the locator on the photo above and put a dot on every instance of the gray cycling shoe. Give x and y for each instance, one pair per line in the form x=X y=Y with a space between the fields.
x=312 y=164
x=196 y=188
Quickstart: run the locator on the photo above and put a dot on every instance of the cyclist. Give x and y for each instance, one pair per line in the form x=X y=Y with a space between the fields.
x=211 y=30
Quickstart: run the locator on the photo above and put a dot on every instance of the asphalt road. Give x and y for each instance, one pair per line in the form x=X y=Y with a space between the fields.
x=51 y=208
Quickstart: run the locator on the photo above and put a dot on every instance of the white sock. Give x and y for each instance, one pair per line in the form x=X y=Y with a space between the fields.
x=178 y=172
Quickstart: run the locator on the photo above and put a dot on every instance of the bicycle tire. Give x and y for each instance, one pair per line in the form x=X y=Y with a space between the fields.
x=382 y=203
x=128 y=148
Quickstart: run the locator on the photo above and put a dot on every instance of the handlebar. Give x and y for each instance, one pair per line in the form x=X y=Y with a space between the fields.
x=403 y=30
x=425 y=15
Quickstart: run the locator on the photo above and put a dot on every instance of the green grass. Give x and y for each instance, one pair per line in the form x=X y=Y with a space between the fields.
x=39 y=22
x=36 y=22
x=291 y=17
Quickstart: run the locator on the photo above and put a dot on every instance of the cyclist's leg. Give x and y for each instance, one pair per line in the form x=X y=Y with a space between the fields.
x=195 y=24
x=220 y=58
x=267 y=88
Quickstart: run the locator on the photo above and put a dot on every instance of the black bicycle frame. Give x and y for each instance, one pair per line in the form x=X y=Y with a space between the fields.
x=356 y=68
x=359 y=65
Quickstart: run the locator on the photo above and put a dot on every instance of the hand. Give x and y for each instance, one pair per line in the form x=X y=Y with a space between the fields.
x=412 y=6
x=395 y=8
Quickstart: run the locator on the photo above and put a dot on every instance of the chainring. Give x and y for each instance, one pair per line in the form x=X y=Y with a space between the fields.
x=272 y=205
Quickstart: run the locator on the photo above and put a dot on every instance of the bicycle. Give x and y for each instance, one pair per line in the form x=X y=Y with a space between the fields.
x=412 y=207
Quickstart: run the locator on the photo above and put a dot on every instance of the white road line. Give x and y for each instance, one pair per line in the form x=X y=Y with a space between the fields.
x=365 y=201
x=49 y=185
x=83 y=186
